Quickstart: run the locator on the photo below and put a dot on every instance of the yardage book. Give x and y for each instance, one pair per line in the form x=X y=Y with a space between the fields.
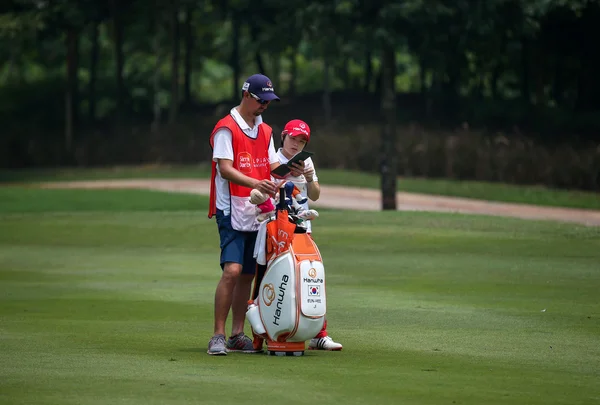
x=284 y=169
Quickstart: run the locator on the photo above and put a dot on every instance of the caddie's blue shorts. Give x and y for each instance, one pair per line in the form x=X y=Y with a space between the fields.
x=236 y=246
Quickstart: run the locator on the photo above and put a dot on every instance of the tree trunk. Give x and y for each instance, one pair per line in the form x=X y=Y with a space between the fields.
x=155 y=127
x=368 y=70
x=378 y=81
x=525 y=85
x=557 y=84
x=498 y=66
x=345 y=72
x=450 y=88
x=480 y=86
x=494 y=82
x=389 y=168
x=260 y=64
x=8 y=71
x=326 y=90
x=276 y=69
x=293 y=71
x=93 y=72
x=235 y=56
x=584 y=89
x=71 y=99
x=539 y=80
x=189 y=50
x=423 y=88
x=174 y=107
x=422 y=76
x=119 y=58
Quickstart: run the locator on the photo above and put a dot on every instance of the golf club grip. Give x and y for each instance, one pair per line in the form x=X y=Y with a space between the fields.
x=281 y=205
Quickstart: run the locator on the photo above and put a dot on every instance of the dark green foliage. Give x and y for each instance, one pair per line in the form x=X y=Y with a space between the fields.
x=526 y=68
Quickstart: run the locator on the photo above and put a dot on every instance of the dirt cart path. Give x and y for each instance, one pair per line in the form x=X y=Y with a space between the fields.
x=367 y=199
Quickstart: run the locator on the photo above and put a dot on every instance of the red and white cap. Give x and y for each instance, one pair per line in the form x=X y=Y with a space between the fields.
x=297 y=128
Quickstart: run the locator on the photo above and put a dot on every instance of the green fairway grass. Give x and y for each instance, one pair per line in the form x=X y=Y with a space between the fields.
x=537 y=195
x=106 y=297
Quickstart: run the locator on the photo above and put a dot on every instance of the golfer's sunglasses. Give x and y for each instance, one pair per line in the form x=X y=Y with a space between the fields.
x=260 y=100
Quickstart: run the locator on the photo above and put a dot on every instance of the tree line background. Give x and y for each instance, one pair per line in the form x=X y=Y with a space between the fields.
x=495 y=90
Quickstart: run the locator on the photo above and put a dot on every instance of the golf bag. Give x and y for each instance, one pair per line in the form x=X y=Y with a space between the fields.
x=289 y=301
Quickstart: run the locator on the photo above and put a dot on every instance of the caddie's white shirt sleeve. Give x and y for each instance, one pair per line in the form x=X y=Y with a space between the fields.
x=223 y=145
x=272 y=153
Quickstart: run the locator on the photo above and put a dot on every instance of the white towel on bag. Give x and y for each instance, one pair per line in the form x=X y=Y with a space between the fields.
x=260 y=247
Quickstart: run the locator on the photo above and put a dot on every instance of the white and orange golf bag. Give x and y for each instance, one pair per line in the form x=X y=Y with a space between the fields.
x=289 y=301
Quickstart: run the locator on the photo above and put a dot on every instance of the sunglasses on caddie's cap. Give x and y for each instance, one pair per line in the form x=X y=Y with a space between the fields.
x=260 y=88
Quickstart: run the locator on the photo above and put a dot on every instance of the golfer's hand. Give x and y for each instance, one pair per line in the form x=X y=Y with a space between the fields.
x=297 y=168
x=309 y=174
x=266 y=187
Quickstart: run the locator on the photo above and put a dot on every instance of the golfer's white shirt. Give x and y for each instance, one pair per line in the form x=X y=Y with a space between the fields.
x=223 y=149
x=300 y=181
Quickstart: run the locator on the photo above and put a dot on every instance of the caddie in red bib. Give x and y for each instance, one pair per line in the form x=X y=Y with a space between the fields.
x=251 y=158
x=242 y=160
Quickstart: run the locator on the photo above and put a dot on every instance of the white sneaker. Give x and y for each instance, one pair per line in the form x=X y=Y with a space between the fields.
x=324 y=343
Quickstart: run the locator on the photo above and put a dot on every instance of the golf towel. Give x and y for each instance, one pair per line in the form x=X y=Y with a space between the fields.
x=260 y=246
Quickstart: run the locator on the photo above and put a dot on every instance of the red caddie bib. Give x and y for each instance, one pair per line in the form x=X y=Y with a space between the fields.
x=250 y=157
